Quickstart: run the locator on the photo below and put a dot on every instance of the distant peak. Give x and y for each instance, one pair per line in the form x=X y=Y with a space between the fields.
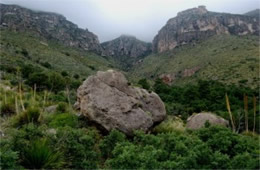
x=127 y=36
x=197 y=11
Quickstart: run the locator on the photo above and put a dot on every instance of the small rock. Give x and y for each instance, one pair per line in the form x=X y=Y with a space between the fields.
x=197 y=121
x=51 y=109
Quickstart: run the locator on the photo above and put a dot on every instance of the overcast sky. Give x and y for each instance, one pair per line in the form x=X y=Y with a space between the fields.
x=109 y=19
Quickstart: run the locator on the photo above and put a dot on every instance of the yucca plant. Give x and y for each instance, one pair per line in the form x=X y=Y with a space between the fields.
x=246 y=111
x=254 y=105
x=230 y=114
x=40 y=156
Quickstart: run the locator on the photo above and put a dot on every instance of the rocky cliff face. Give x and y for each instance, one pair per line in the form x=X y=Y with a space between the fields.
x=127 y=50
x=198 y=24
x=48 y=25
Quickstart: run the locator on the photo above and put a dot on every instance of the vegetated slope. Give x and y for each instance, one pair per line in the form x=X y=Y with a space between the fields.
x=126 y=50
x=28 y=48
x=254 y=13
x=225 y=58
x=52 y=26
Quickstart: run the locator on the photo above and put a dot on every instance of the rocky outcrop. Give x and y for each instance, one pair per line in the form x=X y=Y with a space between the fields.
x=197 y=121
x=127 y=50
x=108 y=100
x=198 y=24
x=171 y=77
x=47 y=25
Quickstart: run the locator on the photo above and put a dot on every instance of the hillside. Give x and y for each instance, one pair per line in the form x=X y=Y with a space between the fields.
x=254 y=13
x=228 y=59
x=49 y=25
x=28 y=48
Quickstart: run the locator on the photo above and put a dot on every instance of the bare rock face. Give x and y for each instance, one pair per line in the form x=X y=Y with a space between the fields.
x=107 y=99
x=48 y=25
x=197 y=24
x=197 y=121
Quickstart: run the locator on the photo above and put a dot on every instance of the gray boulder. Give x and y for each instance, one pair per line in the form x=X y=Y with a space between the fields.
x=197 y=121
x=108 y=99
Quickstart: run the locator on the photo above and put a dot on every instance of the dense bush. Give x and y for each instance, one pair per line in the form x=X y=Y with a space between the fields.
x=208 y=96
x=41 y=79
x=79 y=148
x=110 y=141
x=8 y=157
x=144 y=83
x=203 y=149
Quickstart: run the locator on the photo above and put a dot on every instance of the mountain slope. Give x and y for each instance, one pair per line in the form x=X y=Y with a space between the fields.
x=229 y=59
x=17 y=47
x=198 y=24
x=254 y=13
x=126 y=50
x=48 y=25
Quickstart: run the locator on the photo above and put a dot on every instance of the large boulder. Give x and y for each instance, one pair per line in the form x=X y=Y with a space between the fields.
x=109 y=100
x=197 y=121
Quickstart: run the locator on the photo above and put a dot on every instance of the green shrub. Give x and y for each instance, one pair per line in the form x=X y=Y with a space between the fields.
x=24 y=52
x=32 y=114
x=79 y=148
x=41 y=80
x=59 y=97
x=46 y=65
x=56 y=82
x=64 y=73
x=29 y=69
x=110 y=141
x=144 y=83
x=8 y=157
x=7 y=108
x=62 y=107
x=39 y=155
x=76 y=76
x=64 y=119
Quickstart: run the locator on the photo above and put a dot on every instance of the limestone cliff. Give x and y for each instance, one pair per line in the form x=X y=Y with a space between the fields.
x=48 y=25
x=198 y=23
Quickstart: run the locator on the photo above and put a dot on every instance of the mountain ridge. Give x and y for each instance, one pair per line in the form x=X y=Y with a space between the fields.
x=196 y=24
x=49 y=25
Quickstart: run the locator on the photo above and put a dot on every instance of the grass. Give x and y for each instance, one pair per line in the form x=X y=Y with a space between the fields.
x=225 y=58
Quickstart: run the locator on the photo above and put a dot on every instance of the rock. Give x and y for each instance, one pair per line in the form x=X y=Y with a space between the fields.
x=126 y=49
x=52 y=131
x=51 y=109
x=48 y=25
x=197 y=121
x=198 y=24
x=108 y=100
